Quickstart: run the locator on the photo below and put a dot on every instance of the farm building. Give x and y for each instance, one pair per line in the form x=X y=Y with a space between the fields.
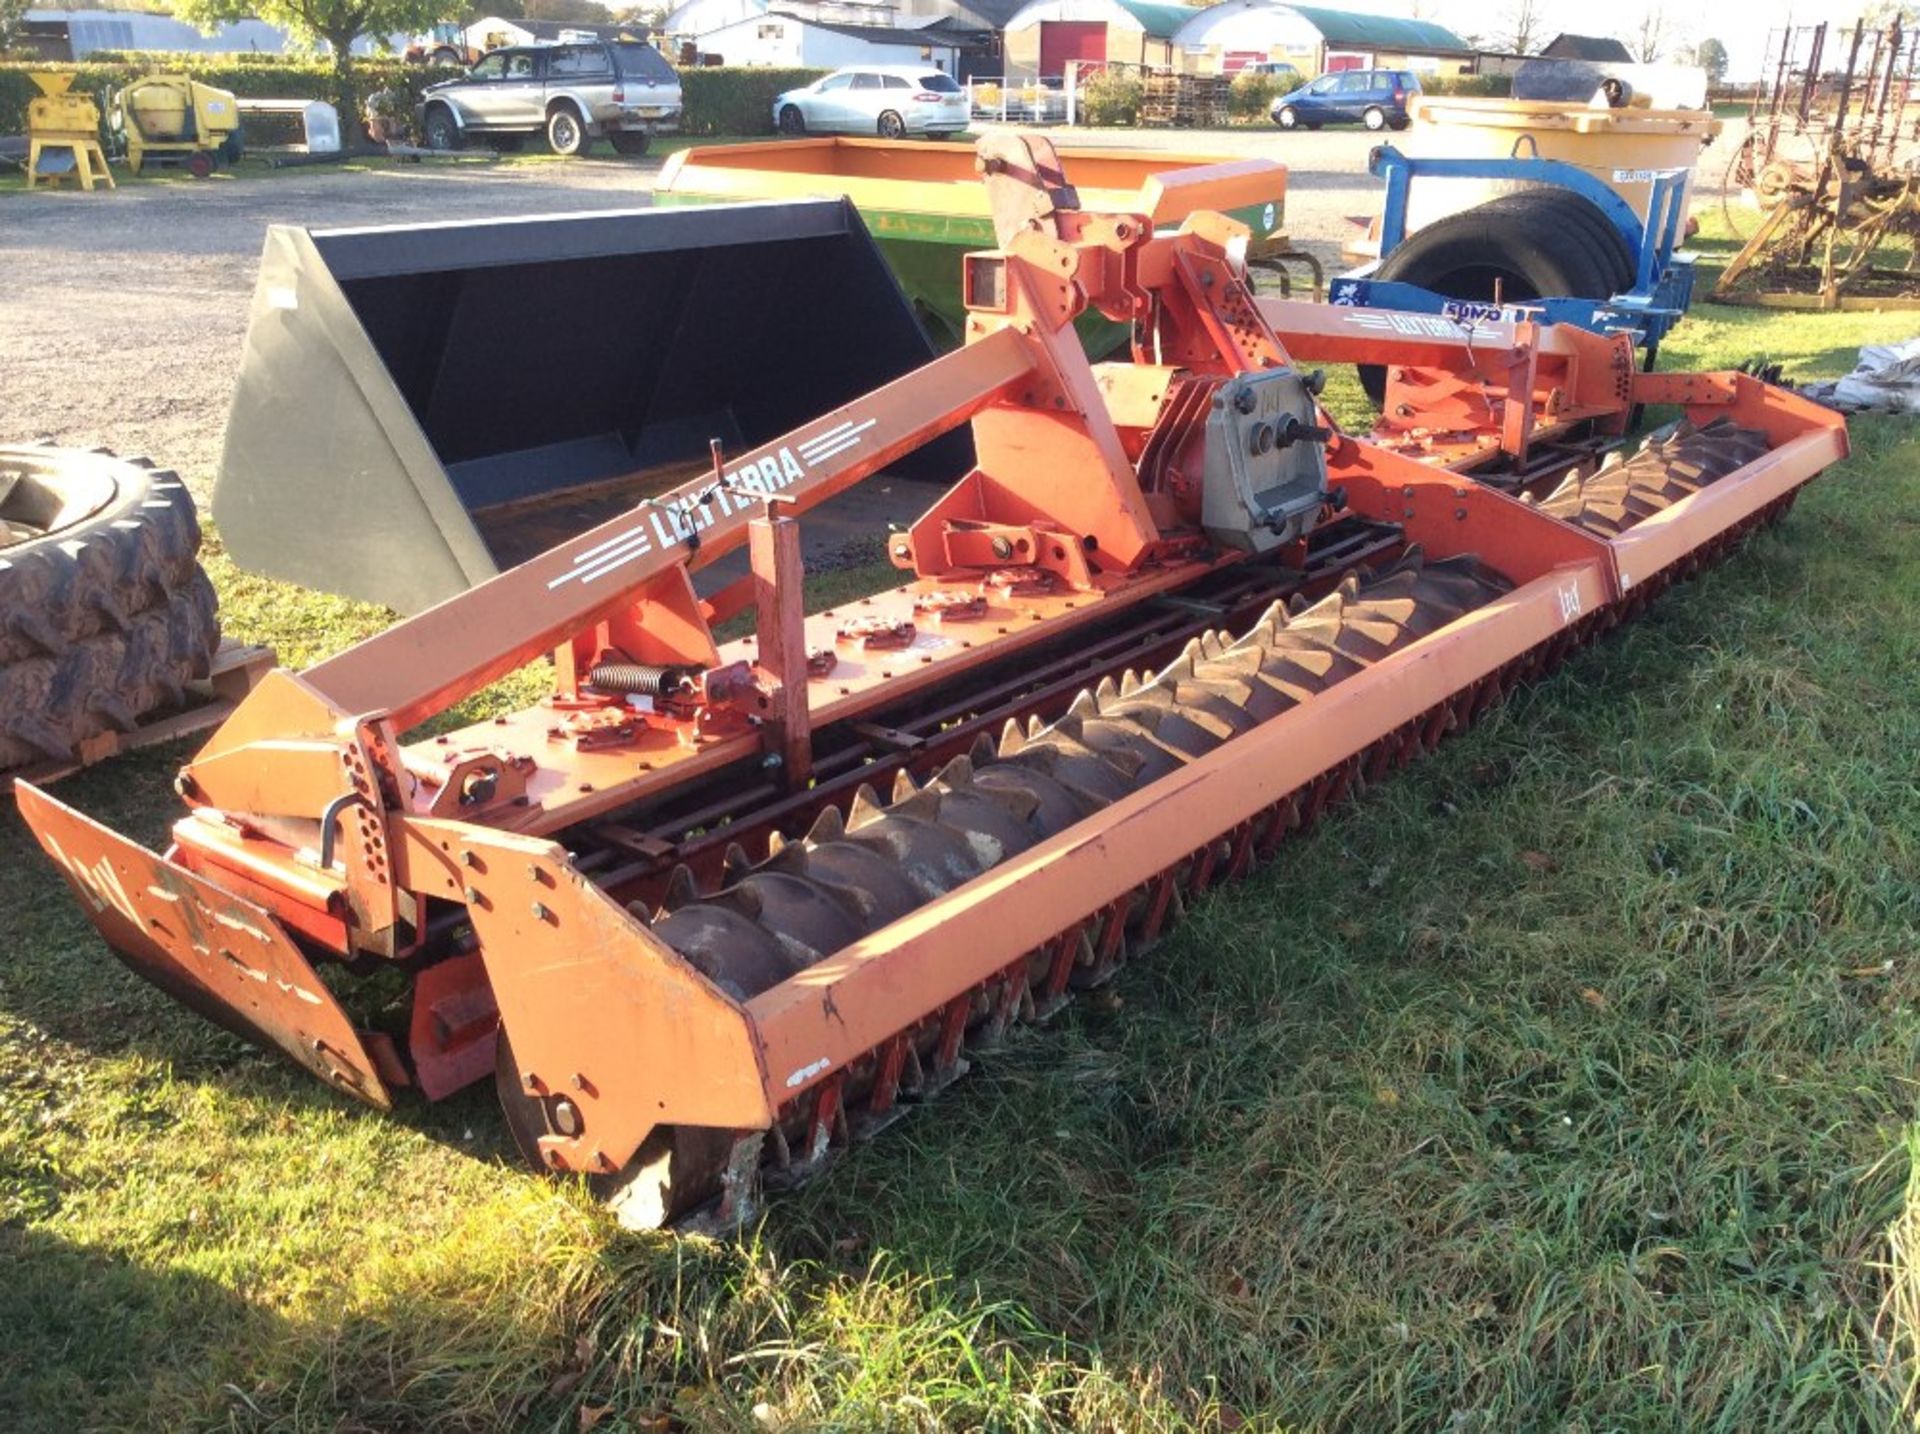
x=780 y=38
x=1600 y=48
x=976 y=24
x=696 y=19
x=1042 y=37
x=974 y=15
x=56 y=34
x=970 y=28
x=1223 y=39
x=490 y=32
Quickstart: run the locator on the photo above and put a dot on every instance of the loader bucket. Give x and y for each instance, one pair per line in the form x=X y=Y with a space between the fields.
x=421 y=407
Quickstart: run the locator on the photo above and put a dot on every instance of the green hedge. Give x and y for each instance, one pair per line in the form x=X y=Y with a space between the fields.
x=1111 y=98
x=1252 y=96
x=724 y=101
x=736 y=100
x=1471 y=86
x=248 y=76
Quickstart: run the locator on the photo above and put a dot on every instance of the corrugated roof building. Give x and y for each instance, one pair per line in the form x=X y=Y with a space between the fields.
x=1602 y=48
x=1226 y=38
x=781 y=38
x=1043 y=37
x=73 y=34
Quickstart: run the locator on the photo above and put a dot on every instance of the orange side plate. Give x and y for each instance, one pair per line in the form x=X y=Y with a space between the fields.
x=223 y=956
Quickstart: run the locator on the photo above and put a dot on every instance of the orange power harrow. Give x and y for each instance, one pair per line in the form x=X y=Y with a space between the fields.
x=709 y=911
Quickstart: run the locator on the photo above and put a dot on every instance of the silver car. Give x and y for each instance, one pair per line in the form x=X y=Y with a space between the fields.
x=887 y=100
x=572 y=93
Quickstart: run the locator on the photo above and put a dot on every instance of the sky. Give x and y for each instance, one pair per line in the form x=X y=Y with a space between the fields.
x=1741 y=27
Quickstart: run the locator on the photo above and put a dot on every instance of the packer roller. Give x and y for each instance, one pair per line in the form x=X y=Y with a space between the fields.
x=710 y=910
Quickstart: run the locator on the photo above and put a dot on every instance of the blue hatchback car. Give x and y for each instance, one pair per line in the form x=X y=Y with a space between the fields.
x=1377 y=99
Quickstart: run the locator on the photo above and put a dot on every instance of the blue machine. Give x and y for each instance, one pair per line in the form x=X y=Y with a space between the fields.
x=1663 y=280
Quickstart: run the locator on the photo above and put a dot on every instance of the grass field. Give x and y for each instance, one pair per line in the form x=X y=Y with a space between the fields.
x=1565 y=1081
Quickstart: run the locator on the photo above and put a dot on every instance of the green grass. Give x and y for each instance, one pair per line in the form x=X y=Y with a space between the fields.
x=1564 y=1081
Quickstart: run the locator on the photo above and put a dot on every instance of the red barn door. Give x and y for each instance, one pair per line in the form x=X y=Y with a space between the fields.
x=1064 y=40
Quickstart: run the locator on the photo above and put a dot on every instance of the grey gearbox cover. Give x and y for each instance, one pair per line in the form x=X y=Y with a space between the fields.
x=1266 y=465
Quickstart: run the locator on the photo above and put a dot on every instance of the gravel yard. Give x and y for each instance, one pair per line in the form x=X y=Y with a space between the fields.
x=123 y=313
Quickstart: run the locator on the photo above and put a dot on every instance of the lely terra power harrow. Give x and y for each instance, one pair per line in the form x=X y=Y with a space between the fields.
x=710 y=910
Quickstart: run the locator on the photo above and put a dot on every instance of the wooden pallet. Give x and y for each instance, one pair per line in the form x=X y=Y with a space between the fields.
x=237 y=669
x=1186 y=101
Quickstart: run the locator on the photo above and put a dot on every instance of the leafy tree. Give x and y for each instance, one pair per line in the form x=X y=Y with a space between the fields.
x=338 y=22
x=586 y=12
x=1876 y=14
x=12 y=12
x=1711 y=56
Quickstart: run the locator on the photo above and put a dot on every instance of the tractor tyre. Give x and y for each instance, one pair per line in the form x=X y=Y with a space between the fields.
x=1539 y=243
x=1547 y=210
x=105 y=613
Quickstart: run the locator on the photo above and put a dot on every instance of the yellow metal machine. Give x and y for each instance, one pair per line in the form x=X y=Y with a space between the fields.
x=170 y=119
x=63 y=136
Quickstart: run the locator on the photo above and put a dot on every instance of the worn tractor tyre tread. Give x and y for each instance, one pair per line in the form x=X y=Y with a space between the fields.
x=1583 y=252
x=1550 y=240
x=1554 y=210
x=105 y=620
x=1539 y=236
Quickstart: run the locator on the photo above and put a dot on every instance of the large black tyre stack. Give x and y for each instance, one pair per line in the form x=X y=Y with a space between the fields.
x=106 y=614
x=1538 y=243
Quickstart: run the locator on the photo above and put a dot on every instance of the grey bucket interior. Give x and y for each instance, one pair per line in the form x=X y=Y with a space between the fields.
x=420 y=407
